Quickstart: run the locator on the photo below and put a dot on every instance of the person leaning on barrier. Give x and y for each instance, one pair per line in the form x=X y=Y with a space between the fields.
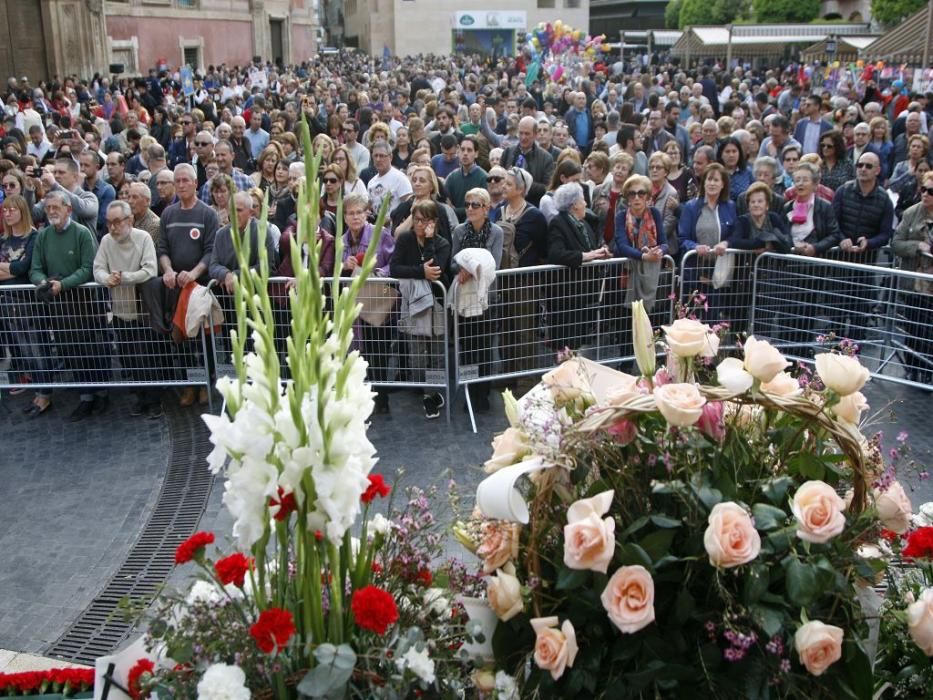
x=760 y=227
x=571 y=242
x=62 y=260
x=224 y=264
x=19 y=330
x=913 y=244
x=766 y=170
x=126 y=257
x=476 y=332
x=186 y=241
x=813 y=225
x=422 y=255
x=377 y=319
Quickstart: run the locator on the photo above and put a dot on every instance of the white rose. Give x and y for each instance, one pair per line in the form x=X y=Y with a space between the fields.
x=508 y=448
x=843 y=374
x=687 y=337
x=731 y=374
x=680 y=404
x=436 y=602
x=851 y=407
x=418 y=662
x=920 y=621
x=894 y=508
x=762 y=360
x=783 y=384
x=712 y=345
x=223 y=682
x=505 y=593
x=567 y=382
x=924 y=516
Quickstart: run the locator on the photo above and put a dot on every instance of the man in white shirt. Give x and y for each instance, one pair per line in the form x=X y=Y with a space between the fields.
x=388 y=180
x=351 y=130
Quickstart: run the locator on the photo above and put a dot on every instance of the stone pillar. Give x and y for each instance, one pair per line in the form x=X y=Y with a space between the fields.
x=262 y=42
x=75 y=37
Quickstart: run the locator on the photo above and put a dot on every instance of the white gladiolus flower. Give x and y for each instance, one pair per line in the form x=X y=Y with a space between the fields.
x=418 y=662
x=379 y=524
x=223 y=682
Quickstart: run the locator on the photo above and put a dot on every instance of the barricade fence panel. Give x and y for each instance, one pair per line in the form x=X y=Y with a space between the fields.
x=401 y=331
x=520 y=325
x=718 y=290
x=86 y=337
x=800 y=304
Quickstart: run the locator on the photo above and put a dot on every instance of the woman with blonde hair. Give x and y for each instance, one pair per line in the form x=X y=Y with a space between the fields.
x=352 y=184
x=425 y=188
x=323 y=145
x=881 y=144
x=221 y=191
x=376 y=132
x=663 y=196
x=264 y=176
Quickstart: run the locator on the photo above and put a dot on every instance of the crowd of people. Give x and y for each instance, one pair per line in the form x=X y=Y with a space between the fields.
x=133 y=184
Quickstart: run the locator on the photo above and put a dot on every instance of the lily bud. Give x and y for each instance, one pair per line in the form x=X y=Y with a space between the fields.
x=643 y=339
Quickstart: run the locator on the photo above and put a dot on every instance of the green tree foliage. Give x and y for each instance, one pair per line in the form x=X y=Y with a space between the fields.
x=893 y=11
x=672 y=14
x=786 y=10
x=711 y=11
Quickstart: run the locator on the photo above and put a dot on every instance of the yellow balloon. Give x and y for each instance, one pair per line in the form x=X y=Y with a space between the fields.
x=577 y=34
x=604 y=47
x=559 y=24
x=835 y=64
x=860 y=63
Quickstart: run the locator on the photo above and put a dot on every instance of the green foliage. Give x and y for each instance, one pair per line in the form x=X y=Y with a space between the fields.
x=786 y=10
x=711 y=12
x=672 y=14
x=893 y=11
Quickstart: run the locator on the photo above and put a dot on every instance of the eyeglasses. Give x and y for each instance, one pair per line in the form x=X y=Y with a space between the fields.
x=203 y=143
x=927 y=190
x=331 y=181
x=419 y=220
x=656 y=166
x=474 y=205
x=636 y=193
x=114 y=222
x=10 y=211
x=494 y=178
x=9 y=185
x=186 y=122
x=826 y=145
x=867 y=166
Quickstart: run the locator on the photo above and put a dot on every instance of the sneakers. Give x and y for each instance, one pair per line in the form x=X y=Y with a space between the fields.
x=187 y=396
x=433 y=403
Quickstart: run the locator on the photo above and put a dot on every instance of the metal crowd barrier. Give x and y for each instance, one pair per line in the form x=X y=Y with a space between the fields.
x=84 y=339
x=402 y=351
x=532 y=313
x=718 y=289
x=886 y=311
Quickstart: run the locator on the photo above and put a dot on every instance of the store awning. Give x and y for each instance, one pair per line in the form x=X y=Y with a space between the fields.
x=903 y=43
x=759 y=39
x=847 y=49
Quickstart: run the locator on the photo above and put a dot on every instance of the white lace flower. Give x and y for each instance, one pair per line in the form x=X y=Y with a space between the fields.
x=223 y=682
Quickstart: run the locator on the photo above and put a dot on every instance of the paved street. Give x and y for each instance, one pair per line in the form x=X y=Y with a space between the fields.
x=76 y=495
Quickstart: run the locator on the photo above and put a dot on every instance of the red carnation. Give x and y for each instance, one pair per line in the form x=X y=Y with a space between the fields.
x=424 y=577
x=919 y=544
x=233 y=569
x=373 y=609
x=377 y=487
x=377 y=568
x=191 y=547
x=286 y=504
x=135 y=677
x=273 y=629
x=889 y=535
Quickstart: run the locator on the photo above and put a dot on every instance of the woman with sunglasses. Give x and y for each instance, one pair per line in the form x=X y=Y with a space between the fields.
x=14 y=182
x=332 y=189
x=837 y=167
x=476 y=332
x=913 y=244
x=641 y=238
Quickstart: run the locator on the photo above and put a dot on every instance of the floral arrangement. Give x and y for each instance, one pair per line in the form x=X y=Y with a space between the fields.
x=304 y=607
x=67 y=682
x=700 y=529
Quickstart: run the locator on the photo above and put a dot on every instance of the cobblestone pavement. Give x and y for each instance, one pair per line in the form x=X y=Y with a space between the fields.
x=75 y=495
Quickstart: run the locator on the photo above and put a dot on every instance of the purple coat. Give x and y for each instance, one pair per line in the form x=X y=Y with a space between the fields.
x=383 y=254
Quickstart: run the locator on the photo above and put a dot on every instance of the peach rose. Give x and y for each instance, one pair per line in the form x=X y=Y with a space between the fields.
x=500 y=544
x=730 y=539
x=687 y=337
x=920 y=621
x=818 y=509
x=589 y=539
x=843 y=374
x=851 y=407
x=629 y=599
x=508 y=448
x=783 y=384
x=762 y=360
x=505 y=593
x=819 y=646
x=555 y=649
x=894 y=508
x=680 y=404
x=567 y=382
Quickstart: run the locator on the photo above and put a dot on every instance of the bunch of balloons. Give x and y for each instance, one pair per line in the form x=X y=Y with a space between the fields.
x=559 y=38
